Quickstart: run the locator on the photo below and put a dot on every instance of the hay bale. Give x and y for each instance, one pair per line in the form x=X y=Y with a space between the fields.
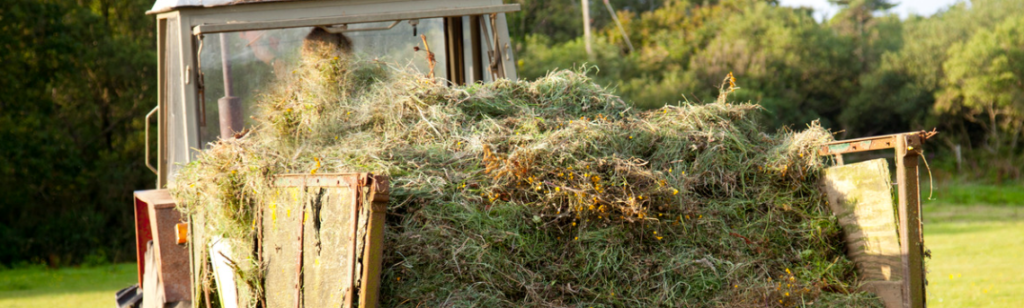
x=545 y=193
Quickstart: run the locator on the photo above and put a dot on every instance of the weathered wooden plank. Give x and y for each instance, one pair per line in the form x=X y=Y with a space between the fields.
x=280 y=245
x=860 y=196
x=328 y=243
x=338 y=259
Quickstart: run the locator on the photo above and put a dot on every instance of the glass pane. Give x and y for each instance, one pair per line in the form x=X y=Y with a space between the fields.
x=257 y=58
x=177 y=148
x=397 y=44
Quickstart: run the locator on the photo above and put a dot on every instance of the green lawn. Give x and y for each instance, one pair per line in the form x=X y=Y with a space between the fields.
x=975 y=264
x=67 y=287
x=977 y=248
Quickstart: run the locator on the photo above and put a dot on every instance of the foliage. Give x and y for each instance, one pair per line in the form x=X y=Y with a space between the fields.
x=863 y=72
x=75 y=85
x=983 y=83
x=980 y=194
x=563 y=20
x=796 y=69
x=791 y=65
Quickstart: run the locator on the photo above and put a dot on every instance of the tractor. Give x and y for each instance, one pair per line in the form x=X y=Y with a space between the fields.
x=214 y=56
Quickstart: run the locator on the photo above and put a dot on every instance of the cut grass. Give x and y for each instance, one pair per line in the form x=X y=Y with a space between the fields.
x=38 y=286
x=547 y=193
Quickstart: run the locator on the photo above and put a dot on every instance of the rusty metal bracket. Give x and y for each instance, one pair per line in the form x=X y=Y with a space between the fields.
x=318 y=180
x=380 y=187
x=874 y=143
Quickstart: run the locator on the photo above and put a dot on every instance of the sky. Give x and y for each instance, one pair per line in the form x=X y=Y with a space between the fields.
x=823 y=9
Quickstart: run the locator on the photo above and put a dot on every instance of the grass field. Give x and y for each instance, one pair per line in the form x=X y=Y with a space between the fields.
x=975 y=235
x=976 y=252
x=38 y=286
x=975 y=264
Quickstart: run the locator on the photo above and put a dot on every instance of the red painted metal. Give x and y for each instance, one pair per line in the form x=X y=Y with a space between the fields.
x=143 y=234
x=156 y=219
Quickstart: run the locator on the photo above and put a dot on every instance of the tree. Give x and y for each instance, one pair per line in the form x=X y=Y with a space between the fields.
x=897 y=93
x=985 y=83
x=560 y=21
x=77 y=79
x=784 y=60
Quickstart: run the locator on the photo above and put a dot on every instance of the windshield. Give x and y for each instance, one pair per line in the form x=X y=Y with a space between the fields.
x=237 y=66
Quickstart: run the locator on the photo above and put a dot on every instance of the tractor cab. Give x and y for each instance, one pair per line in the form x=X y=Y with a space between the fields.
x=215 y=56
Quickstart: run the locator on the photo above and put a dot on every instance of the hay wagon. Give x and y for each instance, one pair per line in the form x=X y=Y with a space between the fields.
x=320 y=236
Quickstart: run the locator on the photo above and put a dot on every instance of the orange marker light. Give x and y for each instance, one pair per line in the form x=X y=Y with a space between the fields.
x=181 y=232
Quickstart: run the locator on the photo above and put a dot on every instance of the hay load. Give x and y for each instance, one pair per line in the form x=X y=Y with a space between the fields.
x=550 y=193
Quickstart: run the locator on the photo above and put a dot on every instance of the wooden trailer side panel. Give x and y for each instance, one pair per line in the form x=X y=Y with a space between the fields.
x=316 y=254
x=860 y=195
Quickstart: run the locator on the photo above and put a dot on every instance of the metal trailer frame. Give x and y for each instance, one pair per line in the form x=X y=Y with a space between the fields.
x=908 y=147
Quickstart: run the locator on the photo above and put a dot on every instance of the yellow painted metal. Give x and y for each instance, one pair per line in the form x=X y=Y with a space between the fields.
x=339 y=219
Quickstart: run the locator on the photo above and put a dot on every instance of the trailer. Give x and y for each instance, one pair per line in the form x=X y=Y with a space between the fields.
x=321 y=238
